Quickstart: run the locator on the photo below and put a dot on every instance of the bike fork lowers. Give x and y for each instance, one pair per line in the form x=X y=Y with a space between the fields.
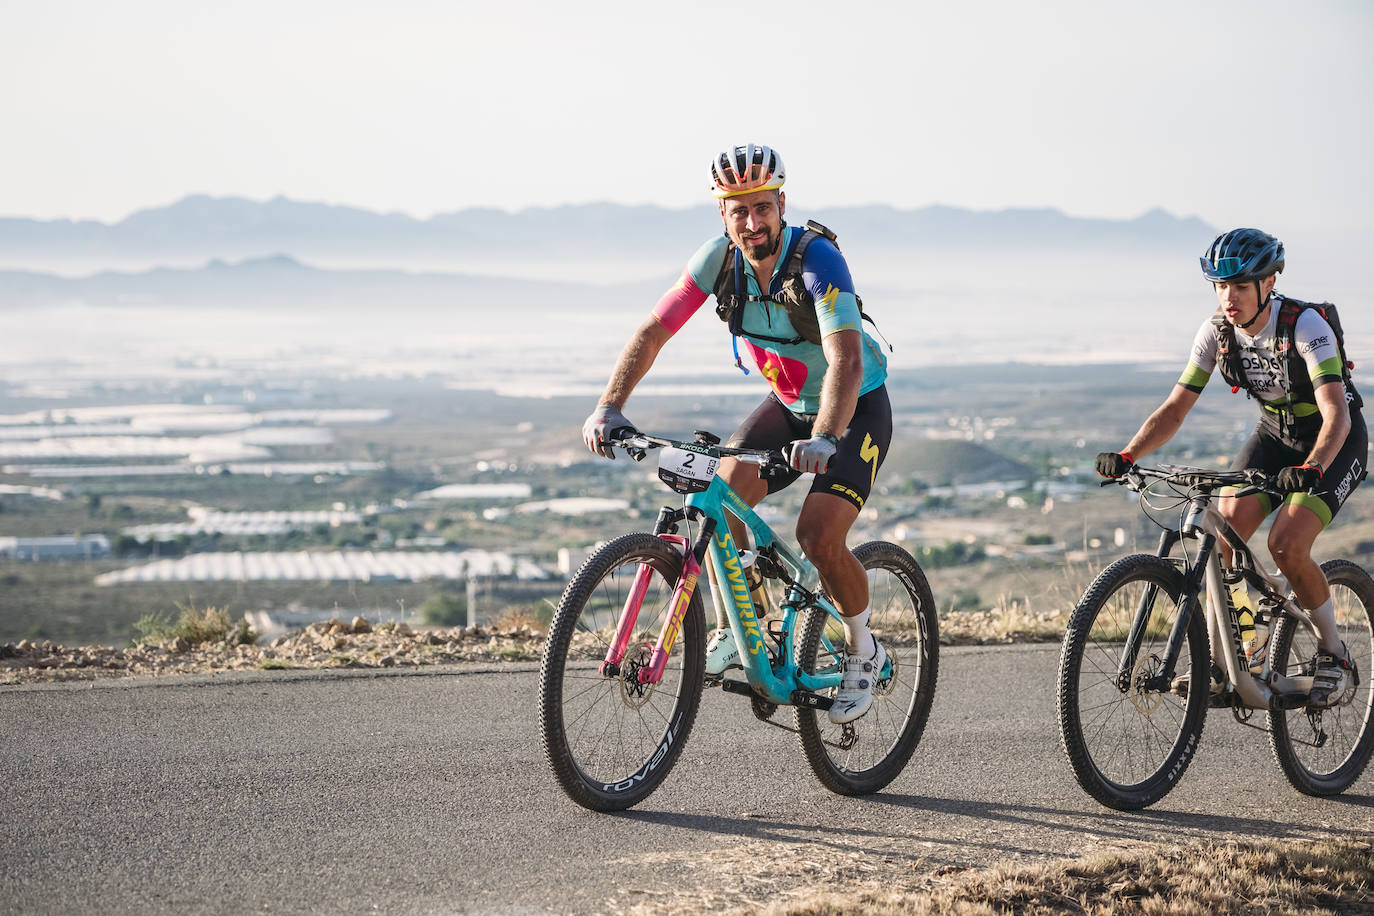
x=1187 y=606
x=682 y=597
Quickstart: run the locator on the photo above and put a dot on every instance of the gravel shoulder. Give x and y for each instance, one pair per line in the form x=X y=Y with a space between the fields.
x=360 y=644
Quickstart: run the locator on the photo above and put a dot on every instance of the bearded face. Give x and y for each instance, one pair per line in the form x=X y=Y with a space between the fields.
x=754 y=222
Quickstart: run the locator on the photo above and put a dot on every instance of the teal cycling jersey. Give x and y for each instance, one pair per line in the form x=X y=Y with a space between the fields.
x=795 y=370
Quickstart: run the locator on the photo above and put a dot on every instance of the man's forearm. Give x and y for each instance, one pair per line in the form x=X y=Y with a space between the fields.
x=1335 y=424
x=634 y=362
x=839 y=390
x=1161 y=425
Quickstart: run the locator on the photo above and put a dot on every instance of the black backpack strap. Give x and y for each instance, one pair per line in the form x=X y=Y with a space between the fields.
x=727 y=285
x=813 y=231
x=1228 y=359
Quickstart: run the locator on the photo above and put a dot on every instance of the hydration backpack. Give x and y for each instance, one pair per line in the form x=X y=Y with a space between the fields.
x=731 y=291
x=1229 y=361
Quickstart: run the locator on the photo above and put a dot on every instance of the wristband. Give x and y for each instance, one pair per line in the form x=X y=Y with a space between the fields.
x=828 y=437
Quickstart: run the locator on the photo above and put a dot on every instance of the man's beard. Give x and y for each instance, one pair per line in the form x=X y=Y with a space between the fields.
x=765 y=249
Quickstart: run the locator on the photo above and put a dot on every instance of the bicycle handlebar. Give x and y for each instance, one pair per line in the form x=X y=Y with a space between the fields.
x=638 y=444
x=1249 y=480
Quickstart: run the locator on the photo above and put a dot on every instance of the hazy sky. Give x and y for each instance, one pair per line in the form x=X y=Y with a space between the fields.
x=1239 y=112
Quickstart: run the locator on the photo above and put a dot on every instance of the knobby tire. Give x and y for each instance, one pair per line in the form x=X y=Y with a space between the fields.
x=1129 y=746
x=903 y=616
x=609 y=740
x=1348 y=728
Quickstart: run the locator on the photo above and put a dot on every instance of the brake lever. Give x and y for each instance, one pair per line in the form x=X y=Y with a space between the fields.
x=776 y=466
x=620 y=434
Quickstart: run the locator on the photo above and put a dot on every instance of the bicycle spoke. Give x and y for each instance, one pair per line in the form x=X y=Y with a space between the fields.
x=599 y=730
x=1124 y=745
x=1345 y=731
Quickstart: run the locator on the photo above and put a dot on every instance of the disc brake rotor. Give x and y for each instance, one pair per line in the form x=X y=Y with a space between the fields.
x=632 y=693
x=883 y=687
x=1145 y=701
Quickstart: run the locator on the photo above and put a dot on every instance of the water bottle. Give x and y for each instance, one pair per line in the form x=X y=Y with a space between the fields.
x=1245 y=609
x=1254 y=629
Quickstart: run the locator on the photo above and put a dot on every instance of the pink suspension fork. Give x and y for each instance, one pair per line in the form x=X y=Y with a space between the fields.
x=682 y=596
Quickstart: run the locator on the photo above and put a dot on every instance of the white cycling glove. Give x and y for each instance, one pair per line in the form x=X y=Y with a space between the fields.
x=812 y=456
x=601 y=428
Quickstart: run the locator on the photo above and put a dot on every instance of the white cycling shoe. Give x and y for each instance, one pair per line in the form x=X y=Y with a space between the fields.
x=855 y=695
x=721 y=653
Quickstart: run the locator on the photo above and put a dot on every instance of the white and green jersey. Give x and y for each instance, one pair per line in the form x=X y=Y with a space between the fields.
x=1266 y=368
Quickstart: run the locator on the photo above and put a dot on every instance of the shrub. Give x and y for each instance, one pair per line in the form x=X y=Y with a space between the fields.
x=960 y=599
x=208 y=625
x=444 y=610
x=954 y=553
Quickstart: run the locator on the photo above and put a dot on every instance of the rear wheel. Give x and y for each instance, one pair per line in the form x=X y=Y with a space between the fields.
x=1128 y=736
x=1322 y=752
x=865 y=755
x=610 y=739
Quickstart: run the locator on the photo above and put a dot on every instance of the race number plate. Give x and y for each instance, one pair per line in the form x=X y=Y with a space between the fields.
x=685 y=470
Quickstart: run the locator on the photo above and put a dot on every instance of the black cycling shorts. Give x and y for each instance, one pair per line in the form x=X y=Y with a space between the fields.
x=861 y=451
x=1271 y=452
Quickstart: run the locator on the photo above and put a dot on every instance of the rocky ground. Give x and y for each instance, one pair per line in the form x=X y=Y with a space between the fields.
x=360 y=644
x=328 y=644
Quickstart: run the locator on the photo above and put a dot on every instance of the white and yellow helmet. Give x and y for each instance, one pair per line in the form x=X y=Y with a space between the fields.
x=746 y=169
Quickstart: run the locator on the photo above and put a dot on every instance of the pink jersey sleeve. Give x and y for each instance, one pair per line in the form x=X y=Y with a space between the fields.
x=679 y=303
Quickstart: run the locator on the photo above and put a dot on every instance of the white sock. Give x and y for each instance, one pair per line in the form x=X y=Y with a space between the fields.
x=858 y=638
x=1325 y=619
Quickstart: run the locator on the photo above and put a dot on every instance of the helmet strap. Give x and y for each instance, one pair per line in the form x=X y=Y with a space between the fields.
x=1262 y=306
x=777 y=243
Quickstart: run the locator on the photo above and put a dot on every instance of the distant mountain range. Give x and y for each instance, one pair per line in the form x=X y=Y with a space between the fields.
x=203 y=227
x=281 y=282
x=283 y=254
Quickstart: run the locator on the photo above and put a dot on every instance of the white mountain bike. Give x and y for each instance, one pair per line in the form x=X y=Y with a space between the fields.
x=1153 y=634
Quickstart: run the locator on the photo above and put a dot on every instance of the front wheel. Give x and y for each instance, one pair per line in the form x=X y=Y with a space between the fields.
x=1127 y=733
x=610 y=739
x=867 y=754
x=1322 y=752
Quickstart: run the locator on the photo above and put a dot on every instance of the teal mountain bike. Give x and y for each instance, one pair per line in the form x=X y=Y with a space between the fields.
x=624 y=664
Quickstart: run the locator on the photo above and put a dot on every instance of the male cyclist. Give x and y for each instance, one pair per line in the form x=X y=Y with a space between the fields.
x=828 y=406
x=1311 y=432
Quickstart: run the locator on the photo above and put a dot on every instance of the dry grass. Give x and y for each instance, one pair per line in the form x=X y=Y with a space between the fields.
x=195 y=628
x=1330 y=876
x=1021 y=618
x=514 y=618
x=1005 y=622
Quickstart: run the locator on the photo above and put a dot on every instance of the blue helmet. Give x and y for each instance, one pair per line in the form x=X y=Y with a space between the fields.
x=1242 y=255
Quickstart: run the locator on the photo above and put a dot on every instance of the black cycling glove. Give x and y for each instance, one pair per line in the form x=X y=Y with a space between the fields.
x=1114 y=464
x=1299 y=479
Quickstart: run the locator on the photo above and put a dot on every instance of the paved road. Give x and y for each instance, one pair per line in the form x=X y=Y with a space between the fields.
x=426 y=791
